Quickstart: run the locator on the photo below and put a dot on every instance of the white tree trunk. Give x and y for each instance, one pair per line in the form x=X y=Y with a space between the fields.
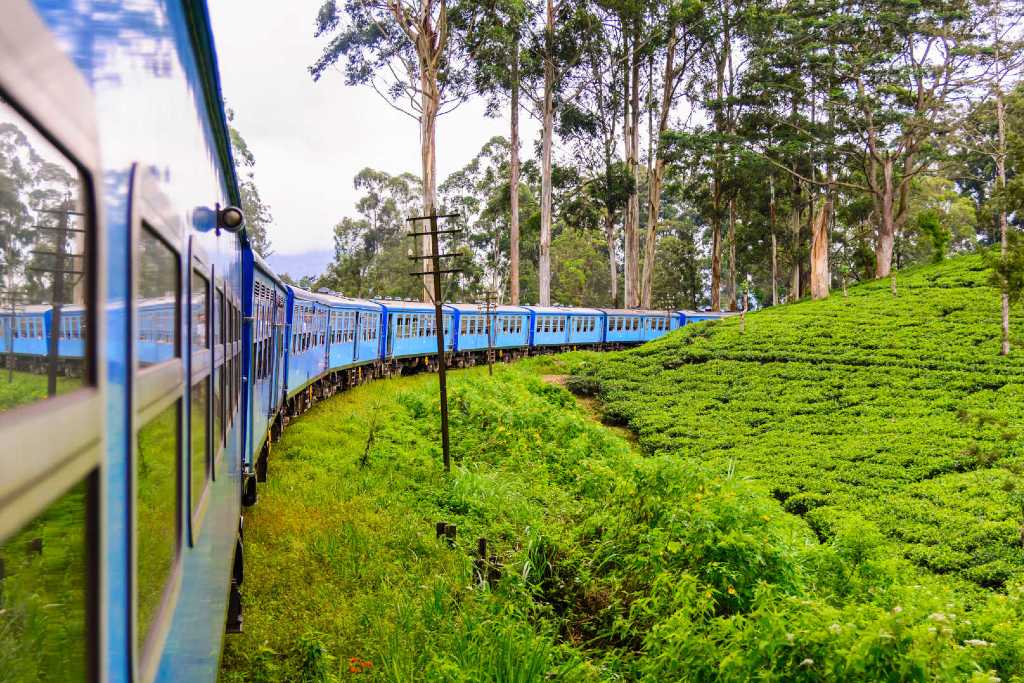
x=429 y=99
x=513 y=182
x=544 y=268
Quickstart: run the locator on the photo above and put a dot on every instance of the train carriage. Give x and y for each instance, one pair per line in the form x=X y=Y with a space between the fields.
x=586 y=326
x=264 y=338
x=659 y=323
x=410 y=329
x=623 y=326
x=308 y=320
x=690 y=317
x=502 y=327
x=135 y=498
x=354 y=337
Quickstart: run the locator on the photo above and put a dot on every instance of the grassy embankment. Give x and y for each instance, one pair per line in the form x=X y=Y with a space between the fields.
x=784 y=519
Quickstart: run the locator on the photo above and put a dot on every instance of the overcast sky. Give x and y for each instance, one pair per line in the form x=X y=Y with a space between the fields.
x=310 y=139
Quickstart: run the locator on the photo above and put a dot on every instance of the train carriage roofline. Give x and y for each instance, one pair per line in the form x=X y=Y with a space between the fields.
x=563 y=310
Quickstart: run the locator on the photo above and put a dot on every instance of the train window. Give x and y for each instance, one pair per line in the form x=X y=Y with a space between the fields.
x=200 y=307
x=43 y=244
x=200 y=422
x=44 y=624
x=156 y=514
x=157 y=300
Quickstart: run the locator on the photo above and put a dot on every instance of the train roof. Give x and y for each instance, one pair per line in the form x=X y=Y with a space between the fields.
x=638 y=311
x=399 y=305
x=481 y=308
x=563 y=310
x=333 y=299
x=266 y=269
x=713 y=314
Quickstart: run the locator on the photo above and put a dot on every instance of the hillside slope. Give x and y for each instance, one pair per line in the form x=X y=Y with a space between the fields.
x=895 y=411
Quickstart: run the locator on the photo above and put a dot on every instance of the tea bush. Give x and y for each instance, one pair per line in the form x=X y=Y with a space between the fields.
x=615 y=564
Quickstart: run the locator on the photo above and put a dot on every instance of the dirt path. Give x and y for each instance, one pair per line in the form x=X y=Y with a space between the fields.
x=592 y=407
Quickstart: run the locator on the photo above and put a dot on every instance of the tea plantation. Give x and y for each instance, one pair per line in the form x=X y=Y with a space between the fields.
x=878 y=411
x=829 y=495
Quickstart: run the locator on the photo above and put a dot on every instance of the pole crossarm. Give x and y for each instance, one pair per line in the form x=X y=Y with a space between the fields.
x=441 y=272
x=430 y=256
x=432 y=216
x=435 y=271
x=437 y=232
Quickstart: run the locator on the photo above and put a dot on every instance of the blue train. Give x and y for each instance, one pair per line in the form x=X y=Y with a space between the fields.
x=148 y=358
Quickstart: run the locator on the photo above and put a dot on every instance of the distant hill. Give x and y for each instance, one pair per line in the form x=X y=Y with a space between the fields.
x=312 y=263
x=889 y=412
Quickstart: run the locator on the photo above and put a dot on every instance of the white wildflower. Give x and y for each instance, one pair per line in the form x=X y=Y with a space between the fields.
x=975 y=642
x=790 y=637
x=937 y=616
x=897 y=609
x=807 y=662
x=836 y=629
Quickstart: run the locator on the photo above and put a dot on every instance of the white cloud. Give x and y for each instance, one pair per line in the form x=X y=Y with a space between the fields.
x=310 y=139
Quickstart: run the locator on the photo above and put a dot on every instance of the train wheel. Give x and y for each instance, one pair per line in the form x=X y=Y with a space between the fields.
x=249 y=494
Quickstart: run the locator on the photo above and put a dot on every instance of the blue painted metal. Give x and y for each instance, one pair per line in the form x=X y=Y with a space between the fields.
x=511 y=326
x=151 y=68
x=409 y=328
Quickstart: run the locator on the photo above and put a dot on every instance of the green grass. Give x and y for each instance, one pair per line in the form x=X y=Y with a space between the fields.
x=26 y=387
x=616 y=563
x=42 y=596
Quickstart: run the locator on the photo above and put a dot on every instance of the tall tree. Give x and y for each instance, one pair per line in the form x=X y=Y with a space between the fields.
x=679 y=54
x=257 y=214
x=402 y=50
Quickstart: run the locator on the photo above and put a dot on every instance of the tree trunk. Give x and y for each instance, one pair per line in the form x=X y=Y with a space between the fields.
x=545 y=182
x=794 y=228
x=716 y=247
x=658 y=170
x=1004 y=295
x=429 y=99
x=609 y=235
x=732 y=253
x=775 y=246
x=886 y=242
x=819 y=252
x=632 y=145
x=513 y=181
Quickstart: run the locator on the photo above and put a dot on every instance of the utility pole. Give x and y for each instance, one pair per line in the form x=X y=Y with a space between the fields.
x=490 y=304
x=58 y=271
x=435 y=270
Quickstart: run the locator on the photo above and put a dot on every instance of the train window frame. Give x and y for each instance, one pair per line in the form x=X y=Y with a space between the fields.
x=43 y=86
x=200 y=371
x=155 y=389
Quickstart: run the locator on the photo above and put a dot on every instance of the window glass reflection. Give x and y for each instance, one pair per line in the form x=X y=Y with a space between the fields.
x=43 y=583
x=200 y=419
x=156 y=518
x=43 y=229
x=157 y=300
x=200 y=288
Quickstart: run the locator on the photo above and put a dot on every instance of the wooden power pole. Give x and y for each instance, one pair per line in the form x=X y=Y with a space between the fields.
x=436 y=271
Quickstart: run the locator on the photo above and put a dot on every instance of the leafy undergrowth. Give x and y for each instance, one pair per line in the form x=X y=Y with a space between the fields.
x=614 y=565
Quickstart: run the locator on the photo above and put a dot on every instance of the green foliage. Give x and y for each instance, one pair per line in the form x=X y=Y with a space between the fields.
x=43 y=623
x=807 y=520
x=1008 y=268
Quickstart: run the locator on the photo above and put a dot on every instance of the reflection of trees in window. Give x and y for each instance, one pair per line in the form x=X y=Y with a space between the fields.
x=41 y=243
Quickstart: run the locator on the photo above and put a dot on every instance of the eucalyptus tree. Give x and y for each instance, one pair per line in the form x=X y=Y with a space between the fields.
x=557 y=39
x=589 y=123
x=404 y=51
x=679 y=41
x=897 y=69
x=257 y=214
x=1001 y=54
x=495 y=31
